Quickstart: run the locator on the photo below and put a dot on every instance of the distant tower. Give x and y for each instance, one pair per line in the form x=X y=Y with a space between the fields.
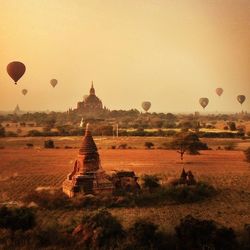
x=92 y=90
x=17 y=110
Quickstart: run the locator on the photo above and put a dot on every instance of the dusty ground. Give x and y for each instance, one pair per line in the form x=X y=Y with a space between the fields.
x=22 y=170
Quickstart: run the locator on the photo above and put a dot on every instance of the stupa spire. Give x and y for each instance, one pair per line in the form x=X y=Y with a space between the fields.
x=88 y=145
x=92 y=89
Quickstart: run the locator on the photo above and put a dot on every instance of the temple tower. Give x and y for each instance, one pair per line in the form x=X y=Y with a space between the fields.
x=87 y=176
x=92 y=90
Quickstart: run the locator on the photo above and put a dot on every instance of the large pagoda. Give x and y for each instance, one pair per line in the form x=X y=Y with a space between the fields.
x=87 y=176
x=90 y=104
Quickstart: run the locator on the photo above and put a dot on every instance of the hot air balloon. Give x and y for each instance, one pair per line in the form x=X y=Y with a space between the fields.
x=219 y=91
x=241 y=99
x=204 y=102
x=16 y=70
x=24 y=91
x=53 y=82
x=146 y=106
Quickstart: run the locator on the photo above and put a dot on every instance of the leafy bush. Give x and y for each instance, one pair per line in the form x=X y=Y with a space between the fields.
x=144 y=235
x=34 y=132
x=150 y=182
x=49 y=144
x=189 y=194
x=86 y=201
x=232 y=126
x=149 y=145
x=180 y=194
x=204 y=234
x=101 y=230
x=51 y=236
x=48 y=199
x=17 y=218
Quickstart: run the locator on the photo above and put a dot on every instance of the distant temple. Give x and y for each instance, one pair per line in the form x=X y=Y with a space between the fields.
x=91 y=104
x=17 y=110
x=87 y=176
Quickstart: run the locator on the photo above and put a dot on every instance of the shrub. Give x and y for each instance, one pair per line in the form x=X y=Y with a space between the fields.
x=247 y=154
x=29 y=145
x=146 y=235
x=143 y=235
x=102 y=230
x=149 y=145
x=86 y=201
x=150 y=182
x=189 y=194
x=232 y=126
x=51 y=236
x=49 y=144
x=48 y=199
x=17 y=218
x=204 y=234
x=34 y=132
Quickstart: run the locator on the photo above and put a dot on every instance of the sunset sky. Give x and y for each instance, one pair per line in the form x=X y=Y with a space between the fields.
x=170 y=52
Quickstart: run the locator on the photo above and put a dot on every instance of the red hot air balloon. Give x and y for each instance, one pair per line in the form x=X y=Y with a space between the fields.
x=204 y=102
x=219 y=91
x=24 y=91
x=53 y=82
x=241 y=99
x=16 y=70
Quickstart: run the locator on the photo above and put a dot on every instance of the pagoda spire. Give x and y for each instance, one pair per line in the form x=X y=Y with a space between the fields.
x=92 y=89
x=88 y=145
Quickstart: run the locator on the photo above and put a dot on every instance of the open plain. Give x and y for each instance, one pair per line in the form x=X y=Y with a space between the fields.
x=23 y=170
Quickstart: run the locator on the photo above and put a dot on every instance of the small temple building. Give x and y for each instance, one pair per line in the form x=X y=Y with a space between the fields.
x=87 y=176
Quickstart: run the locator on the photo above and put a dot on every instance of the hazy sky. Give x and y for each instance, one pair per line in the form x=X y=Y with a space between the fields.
x=170 y=52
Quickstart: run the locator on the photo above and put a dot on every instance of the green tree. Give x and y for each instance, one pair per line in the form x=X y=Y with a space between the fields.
x=186 y=141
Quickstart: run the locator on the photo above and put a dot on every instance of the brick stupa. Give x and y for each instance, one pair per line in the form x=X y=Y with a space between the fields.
x=87 y=176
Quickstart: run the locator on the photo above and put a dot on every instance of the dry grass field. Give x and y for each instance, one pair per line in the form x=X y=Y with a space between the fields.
x=23 y=170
